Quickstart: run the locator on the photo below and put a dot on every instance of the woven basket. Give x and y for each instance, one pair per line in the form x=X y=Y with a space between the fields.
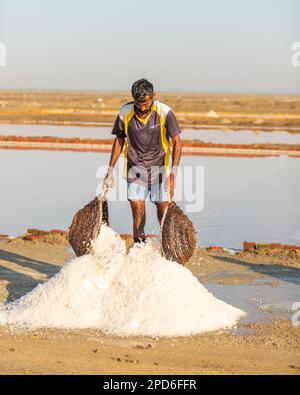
x=178 y=237
x=86 y=224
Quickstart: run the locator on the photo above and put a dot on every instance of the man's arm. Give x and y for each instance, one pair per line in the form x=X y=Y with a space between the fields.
x=176 y=155
x=116 y=151
x=174 y=132
x=117 y=147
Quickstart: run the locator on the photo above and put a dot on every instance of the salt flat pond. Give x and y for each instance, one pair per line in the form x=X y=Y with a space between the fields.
x=228 y=199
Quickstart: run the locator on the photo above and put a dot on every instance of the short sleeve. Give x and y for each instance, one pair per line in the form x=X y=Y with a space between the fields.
x=119 y=129
x=172 y=125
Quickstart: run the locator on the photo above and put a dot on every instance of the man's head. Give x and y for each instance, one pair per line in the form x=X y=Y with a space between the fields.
x=143 y=96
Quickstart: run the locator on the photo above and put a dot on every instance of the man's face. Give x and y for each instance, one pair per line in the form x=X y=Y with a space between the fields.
x=143 y=108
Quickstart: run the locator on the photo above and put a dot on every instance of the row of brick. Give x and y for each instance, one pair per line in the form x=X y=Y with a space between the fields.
x=39 y=231
x=215 y=249
x=105 y=148
x=186 y=143
x=41 y=234
x=252 y=245
x=108 y=149
x=35 y=234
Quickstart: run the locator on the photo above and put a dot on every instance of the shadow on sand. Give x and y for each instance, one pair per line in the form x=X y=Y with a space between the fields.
x=19 y=283
x=280 y=272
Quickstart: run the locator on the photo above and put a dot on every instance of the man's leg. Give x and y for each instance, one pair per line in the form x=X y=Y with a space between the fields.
x=159 y=196
x=139 y=219
x=137 y=194
x=160 y=206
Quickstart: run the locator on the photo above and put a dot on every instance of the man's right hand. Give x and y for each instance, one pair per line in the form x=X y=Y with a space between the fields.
x=109 y=180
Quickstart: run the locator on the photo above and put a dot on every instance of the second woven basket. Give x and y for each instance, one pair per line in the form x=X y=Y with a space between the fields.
x=86 y=224
x=178 y=237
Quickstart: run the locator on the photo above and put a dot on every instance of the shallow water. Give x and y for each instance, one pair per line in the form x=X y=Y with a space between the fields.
x=229 y=200
x=263 y=299
x=56 y=131
x=213 y=136
x=241 y=136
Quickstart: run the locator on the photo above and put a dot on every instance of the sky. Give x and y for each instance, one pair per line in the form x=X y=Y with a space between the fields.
x=214 y=46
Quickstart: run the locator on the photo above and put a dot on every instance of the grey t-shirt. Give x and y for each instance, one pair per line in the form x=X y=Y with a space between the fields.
x=148 y=139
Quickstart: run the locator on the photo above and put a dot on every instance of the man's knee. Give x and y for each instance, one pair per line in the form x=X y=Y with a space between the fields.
x=138 y=208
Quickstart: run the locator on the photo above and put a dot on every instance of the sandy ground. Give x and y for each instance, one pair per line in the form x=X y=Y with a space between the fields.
x=259 y=112
x=272 y=347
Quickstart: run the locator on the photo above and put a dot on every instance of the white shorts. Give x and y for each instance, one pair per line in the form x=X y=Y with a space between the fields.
x=137 y=191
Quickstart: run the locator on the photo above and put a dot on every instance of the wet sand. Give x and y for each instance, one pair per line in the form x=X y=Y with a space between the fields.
x=258 y=347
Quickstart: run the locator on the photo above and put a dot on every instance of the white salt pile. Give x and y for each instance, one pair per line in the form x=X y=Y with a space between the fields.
x=139 y=293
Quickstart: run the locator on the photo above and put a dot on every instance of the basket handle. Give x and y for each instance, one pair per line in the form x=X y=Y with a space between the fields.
x=170 y=198
x=103 y=193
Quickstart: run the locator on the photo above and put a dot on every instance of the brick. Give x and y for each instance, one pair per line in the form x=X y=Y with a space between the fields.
x=34 y=237
x=276 y=245
x=37 y=231
x=249 y=245
x=291 y=247
x=32 y=230
x=263 y=246
x=60 y=231
x=130 y=236
x=215 y=249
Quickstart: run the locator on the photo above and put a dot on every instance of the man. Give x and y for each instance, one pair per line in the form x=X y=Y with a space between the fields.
x=143 y=127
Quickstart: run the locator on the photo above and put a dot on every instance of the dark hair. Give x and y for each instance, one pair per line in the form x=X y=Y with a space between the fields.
x=140 y=89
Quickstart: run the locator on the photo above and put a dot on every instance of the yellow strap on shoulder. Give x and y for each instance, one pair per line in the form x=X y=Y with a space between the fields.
x=165 y=143
x=126 y=122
